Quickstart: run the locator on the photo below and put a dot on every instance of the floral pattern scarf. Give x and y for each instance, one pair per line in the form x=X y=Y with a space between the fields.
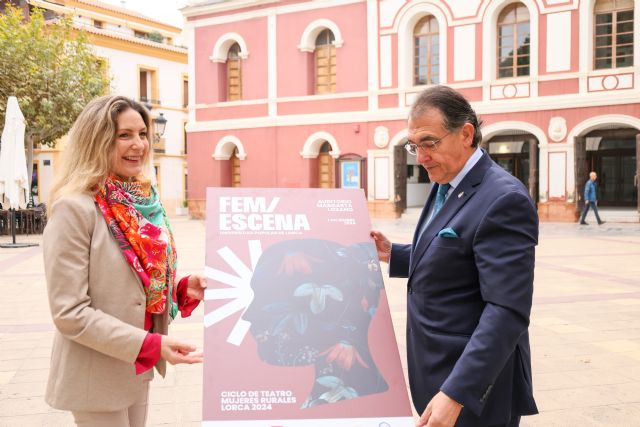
x=139 y=224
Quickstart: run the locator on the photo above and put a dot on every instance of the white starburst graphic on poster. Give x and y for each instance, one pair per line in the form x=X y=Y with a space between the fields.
x=239 y=293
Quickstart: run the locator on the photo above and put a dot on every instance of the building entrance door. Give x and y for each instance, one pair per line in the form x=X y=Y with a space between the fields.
x=326 y=167
x=636 y=180
x=516 y=164
x=616 y=173
x=518 y=155
x=235 y=169
x=400 y=178
x=613 y=157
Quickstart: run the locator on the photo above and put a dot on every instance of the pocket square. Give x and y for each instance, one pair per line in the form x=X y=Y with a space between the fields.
x=447 y=232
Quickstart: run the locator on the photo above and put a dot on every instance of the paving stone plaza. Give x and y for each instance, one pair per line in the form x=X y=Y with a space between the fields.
x=585 y=329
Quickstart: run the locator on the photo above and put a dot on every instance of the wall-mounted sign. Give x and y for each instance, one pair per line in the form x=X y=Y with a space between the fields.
x=350 y=173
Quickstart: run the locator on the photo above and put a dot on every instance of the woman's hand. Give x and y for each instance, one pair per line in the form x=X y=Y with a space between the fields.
x=175 y=352
x=196 y=286
x=383 y=245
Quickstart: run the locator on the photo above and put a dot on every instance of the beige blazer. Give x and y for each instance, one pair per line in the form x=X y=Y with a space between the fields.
x=97 y=303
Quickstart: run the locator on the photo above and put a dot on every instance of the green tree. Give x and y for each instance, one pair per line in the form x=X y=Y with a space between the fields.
x=52 y=70
x=155 y=36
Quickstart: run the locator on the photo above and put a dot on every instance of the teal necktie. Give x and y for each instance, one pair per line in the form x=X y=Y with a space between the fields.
x=440 y=198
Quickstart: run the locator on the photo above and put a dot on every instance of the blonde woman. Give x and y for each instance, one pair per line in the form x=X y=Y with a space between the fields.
x=110 y=263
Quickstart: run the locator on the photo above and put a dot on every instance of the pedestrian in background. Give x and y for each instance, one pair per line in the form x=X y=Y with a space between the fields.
x=110 y=265
x=590 y=199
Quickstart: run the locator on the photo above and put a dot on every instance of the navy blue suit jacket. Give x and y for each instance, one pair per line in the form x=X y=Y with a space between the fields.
x=469 y=298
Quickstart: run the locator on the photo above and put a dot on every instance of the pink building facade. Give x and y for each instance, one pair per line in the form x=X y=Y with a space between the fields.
x=273 y=104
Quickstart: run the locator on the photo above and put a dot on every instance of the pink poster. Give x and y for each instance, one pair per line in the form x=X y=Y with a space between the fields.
x=297 y=325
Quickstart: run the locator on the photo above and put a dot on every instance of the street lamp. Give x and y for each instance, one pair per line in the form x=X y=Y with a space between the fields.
x=159 y=124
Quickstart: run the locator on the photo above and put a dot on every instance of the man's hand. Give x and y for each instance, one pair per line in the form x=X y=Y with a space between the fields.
x=383 y=245
x=176 y=352
x=196 y=286
x=442 y=411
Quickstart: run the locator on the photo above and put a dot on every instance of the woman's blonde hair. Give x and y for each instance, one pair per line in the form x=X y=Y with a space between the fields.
x=87 y=156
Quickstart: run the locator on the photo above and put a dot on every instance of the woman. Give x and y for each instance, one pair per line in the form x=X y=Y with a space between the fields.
x=110 y=265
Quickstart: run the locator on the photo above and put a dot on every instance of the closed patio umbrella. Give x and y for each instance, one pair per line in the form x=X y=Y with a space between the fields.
x=14 y=181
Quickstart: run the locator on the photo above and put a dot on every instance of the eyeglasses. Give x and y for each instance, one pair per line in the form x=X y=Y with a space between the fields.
x=424 y=146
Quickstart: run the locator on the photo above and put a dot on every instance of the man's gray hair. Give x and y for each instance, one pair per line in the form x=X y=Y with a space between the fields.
x=455 y=109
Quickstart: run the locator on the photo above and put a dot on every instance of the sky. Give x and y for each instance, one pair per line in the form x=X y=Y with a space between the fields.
x=162 y=10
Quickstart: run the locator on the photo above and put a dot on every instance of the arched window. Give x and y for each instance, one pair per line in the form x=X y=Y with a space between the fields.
x=514 y=38
x=325 y=63
x=426 y=52
x=613 y=32
x=234 y=73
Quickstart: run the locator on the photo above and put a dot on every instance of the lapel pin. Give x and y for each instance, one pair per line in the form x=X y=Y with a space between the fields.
x=460 y=194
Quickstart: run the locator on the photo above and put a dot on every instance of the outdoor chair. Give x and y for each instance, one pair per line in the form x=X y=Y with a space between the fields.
x=40 y=218
x=4 y=222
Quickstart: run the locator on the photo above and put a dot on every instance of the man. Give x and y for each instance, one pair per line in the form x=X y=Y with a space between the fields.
x=590 y=199
x=470 y=275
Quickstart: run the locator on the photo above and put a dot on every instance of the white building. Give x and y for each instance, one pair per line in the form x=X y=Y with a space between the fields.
x=143 y=62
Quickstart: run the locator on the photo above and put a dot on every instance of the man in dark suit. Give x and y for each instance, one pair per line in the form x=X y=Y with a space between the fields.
x=470 y=274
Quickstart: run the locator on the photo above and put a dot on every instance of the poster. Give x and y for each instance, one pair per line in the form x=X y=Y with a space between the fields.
x=297 y=325
x=350 y=173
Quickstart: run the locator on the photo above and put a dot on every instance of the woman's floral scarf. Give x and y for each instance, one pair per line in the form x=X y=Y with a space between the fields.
x=139 y=224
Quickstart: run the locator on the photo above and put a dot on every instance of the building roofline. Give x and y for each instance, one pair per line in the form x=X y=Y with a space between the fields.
x=131 y=39
x=217 y=6
x=112 y=10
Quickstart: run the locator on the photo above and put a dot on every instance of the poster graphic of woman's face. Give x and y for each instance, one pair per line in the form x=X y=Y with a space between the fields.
x=313 y=303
